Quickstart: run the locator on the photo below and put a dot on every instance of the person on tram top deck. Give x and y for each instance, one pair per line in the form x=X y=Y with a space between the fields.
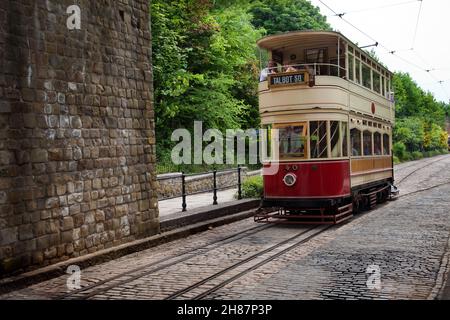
x=291 y=69
x=270 y=69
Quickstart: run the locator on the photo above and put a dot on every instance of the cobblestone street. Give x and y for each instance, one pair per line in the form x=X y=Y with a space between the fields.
x=400 y=250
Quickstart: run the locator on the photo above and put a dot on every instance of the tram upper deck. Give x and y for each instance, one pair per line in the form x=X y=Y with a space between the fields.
x=322 y=71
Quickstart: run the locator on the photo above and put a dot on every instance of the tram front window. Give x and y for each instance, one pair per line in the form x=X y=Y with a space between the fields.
x=292 y=141
x=319 y=144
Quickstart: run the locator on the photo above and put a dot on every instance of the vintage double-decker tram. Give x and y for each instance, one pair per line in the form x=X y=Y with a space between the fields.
x=332 y=107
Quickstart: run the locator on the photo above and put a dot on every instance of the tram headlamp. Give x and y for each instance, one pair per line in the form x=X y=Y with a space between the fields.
x=290 y=179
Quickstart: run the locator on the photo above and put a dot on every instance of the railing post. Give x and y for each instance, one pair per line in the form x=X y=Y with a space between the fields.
x=215 y=188
x=183 y=191
x=239 y=184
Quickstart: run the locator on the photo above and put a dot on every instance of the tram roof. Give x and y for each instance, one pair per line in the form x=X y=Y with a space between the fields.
x=308 y=39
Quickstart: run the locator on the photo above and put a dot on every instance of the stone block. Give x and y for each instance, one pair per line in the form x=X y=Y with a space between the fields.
x=8 y=236
x=39 y=155
x=26 y=232
x=67 y=224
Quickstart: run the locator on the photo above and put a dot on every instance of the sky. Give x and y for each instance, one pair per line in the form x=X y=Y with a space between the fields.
x=418 y=32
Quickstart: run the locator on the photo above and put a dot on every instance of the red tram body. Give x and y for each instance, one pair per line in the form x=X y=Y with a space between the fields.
x=328 y=110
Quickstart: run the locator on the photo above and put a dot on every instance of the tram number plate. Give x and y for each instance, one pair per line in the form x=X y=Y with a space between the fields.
x=287 y=79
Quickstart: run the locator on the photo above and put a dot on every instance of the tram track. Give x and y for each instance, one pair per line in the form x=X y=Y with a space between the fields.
x=279 y=252
x=254 y=262
x=189 y=254
x=398 y=182
x=424 y=189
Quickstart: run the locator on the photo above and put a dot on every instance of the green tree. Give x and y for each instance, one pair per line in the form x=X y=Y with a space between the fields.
x=411 y=132
x=205 y=67
x=277 y=16
x=420 y=118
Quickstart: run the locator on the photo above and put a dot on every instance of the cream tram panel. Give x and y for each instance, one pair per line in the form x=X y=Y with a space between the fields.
x=361 y=101
x=306 y=115
x=295 y=97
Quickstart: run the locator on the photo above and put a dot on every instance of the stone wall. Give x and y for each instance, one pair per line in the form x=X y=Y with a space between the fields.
x=169 y=185
x=76 y=130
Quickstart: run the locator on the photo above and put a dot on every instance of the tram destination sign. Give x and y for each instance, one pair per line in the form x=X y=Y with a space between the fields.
x=287 y=79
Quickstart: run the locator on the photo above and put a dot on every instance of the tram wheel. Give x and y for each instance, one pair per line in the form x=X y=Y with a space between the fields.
x=356 y=205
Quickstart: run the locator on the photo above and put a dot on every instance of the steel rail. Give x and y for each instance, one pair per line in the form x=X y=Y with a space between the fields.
x=418 y=169
x=215 y=244
x=242 y=262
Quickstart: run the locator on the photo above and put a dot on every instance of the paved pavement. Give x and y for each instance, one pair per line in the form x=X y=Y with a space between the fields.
x=167 y=207
x=400 y=250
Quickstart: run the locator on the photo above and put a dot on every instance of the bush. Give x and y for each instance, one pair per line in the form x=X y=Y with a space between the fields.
x=407 y=156
x=400 y=150
x=417 y=155
x=253 y=187
x=435 y=153
x=396 y=160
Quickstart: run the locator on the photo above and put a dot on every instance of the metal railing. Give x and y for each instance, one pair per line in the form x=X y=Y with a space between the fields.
x=314 y=69
x=214 y=190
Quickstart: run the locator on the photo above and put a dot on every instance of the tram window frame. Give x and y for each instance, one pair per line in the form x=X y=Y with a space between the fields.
x=335 y=140
x=316 y=55
x=344 y=138
x=388 y=87
x=358 y=71
x=367 y=152
x=322 y=148
x=304 y=137
x=351 y=67
x=366 y=76
x=269 y=137
x=376 y=80
x=386 y=151
x=377 y=144
x=356 y=152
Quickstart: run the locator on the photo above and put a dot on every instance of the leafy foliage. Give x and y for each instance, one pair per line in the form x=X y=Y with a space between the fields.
x=205 y=67
x=253 y=187
x=420 y=126
x=206 y=62
x=287 y=15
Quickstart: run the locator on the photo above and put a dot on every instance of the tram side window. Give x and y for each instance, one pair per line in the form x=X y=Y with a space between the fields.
x=367 y=142
x=358 y=71
x=319 y=144
x=388 y=87
x=334 y=139
x=386 y=145
x=376 y=82
x=366 y=77
x=377 y=143
x=344 y=128
x=355 y=137
x=351 y=71
x=292 y=141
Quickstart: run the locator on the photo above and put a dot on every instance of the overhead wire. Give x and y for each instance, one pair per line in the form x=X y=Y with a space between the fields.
x=390 y=51
x=378 y=8
x=417 y=24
